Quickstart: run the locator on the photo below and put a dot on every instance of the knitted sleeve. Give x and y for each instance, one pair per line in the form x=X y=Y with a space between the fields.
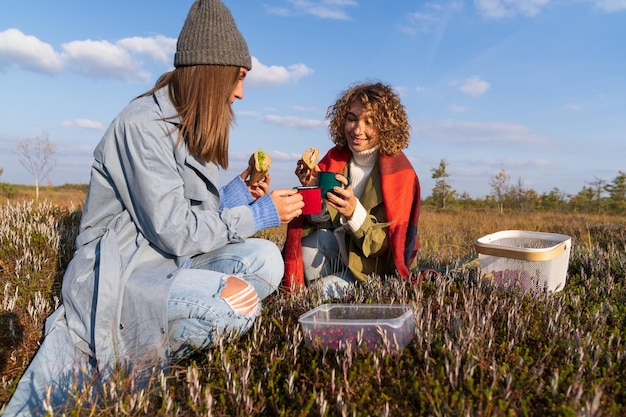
x=234 y=194
x=264 y=213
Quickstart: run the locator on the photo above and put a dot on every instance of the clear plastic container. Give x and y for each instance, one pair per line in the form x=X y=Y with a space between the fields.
x=368 y=327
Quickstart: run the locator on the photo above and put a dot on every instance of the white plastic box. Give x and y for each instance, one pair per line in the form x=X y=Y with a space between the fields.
x=530 y=261
x=362 y=326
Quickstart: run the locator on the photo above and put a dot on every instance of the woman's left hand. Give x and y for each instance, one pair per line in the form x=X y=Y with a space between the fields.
x=343 y=199
x=258 y=189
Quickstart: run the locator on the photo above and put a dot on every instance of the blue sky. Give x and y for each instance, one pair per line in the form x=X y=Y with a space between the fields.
x=537 y=87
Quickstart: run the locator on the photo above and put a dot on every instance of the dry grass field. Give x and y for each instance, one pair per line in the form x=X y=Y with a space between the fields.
x=477 y=350
x=69 y=195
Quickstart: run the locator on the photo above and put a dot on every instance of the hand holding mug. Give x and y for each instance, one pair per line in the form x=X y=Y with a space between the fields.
x=337 y=190
x=288 y=204
x=331 y=182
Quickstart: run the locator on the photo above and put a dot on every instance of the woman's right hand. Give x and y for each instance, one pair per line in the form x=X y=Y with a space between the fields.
x=288 y=203
x=306 y=175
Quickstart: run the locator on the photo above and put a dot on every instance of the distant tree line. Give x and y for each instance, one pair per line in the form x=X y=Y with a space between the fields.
x=598 y=196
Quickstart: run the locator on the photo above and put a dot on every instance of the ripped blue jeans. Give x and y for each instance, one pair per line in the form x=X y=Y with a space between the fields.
x=197 y=310
x=323 y=266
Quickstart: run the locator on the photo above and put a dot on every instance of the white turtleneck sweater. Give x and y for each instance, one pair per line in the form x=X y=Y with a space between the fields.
x=361 y=166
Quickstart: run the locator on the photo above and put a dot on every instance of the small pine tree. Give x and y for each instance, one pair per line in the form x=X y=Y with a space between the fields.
x=617 y=192
x=442 y=192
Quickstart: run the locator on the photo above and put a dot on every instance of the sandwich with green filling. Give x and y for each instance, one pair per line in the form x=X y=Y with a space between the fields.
x=259 y=164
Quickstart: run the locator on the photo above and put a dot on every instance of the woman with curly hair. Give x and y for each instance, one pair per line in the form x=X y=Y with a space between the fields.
x=369 y=226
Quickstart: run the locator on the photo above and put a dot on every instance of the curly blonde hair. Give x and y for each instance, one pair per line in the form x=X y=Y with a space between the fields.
x=384 y=109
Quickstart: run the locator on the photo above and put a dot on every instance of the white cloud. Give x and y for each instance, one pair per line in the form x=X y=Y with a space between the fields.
x=497 y=9
x=262 y=75
x=121 y=60
x=304 y=109
x=457 y=109
x=479 y=133
x=84 y=123
x=431 y=17
x=159 y=48
x=424 y=21
x=97 y=59
x=102 y=59
x=325 y=9
x=28 y=52
x=610 y=5
x=294 y=122
x=573 y=107
x=284 y=156
x=474 y=86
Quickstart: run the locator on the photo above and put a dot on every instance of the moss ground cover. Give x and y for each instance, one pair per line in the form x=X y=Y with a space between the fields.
x=477 y=350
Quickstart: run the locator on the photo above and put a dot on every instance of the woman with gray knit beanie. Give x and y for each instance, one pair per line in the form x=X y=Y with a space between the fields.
x=164 y=261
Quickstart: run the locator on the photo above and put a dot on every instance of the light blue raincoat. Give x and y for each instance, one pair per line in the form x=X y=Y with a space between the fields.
x=150 y=207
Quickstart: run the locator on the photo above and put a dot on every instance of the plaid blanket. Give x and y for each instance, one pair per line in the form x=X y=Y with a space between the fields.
x=401 y=193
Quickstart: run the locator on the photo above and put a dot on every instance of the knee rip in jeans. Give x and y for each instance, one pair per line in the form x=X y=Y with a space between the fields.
x=240 y=295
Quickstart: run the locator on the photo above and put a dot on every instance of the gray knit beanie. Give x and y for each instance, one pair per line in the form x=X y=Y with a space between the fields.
x=210 y=37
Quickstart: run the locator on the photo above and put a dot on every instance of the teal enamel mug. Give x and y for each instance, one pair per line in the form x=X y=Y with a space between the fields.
x=328 y=180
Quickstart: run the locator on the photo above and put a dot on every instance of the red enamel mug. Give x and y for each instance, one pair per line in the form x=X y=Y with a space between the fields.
x=312 y=197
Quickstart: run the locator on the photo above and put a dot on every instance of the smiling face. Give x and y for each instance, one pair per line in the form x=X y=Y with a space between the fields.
x=359 y=131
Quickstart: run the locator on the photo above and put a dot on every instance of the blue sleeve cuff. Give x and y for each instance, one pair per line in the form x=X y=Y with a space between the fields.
x=264 y=213
x=234 y=194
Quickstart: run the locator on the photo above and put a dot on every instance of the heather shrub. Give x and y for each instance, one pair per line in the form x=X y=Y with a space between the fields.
x=477 y=349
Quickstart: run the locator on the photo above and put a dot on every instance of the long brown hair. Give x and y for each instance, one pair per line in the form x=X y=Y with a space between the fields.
x=201 y=95
x=388 y=116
